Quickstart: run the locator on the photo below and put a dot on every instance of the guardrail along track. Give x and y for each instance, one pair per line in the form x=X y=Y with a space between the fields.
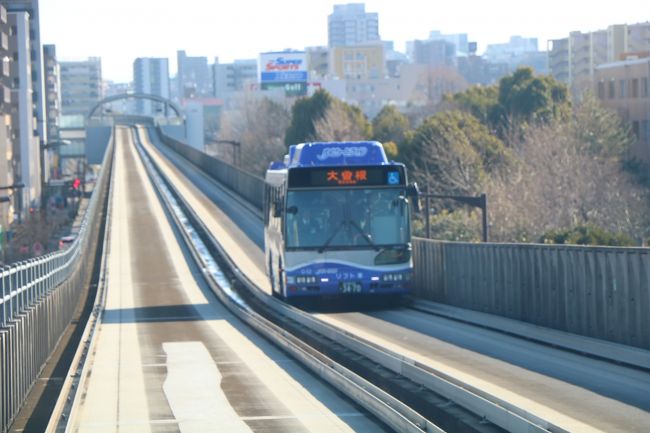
x=39 y=297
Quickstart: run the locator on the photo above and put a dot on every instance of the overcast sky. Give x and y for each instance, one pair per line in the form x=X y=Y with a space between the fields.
x=118 y=31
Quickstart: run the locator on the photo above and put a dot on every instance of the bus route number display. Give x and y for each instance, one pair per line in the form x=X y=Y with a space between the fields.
x=346 y=176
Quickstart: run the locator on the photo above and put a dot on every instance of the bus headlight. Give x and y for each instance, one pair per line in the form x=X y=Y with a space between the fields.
x=305 y=280
x=392 y=277
x=396 y=277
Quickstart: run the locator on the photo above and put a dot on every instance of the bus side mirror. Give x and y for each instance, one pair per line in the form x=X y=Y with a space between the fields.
x=413 y=191
x=277 y=209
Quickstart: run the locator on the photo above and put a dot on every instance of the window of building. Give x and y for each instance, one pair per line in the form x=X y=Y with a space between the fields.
x=635 y=129
x=611 y=89
x=644 y=87
x=644 y=132
x=621 y=89
x=634 y=91
x=601 y=90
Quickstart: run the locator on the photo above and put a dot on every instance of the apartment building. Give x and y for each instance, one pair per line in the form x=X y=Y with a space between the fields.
x=360 y=62
x=30 y=8
x=573 y=60
x=81 y=85
x=231 y=78
x=26 y=144
x=625 y=87
x=350 y=24
x=193 y=78
x=6 y=142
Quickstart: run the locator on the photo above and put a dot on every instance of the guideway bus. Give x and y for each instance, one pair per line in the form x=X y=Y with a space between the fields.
x=337 y=222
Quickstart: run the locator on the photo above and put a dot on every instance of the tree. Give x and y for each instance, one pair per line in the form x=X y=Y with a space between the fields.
x=600 y=129
x=518 y=100
x=559 y=182
x=304 y=115
x=441 y=155
x=478 y=100
x=390 y=125
x=342 y=122
x=524 y=98
x=259 y=125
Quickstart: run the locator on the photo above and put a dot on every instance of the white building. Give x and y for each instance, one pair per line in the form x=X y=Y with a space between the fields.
x=151 y=76
x=37 y=69
x=350 y=24
x=26 y=144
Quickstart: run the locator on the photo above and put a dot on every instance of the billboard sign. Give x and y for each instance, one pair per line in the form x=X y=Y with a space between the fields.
x=283 y=67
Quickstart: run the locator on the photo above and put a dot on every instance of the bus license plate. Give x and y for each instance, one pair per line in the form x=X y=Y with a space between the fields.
x=350 y=287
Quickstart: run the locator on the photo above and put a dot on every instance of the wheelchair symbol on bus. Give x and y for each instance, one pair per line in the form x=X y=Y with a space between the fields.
x=393 y=177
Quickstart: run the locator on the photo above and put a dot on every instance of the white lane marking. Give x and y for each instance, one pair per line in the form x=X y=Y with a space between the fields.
x=273 y=417
x=193 y=390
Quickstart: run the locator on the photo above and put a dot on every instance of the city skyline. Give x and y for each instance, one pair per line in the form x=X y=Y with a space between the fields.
x=110 y=29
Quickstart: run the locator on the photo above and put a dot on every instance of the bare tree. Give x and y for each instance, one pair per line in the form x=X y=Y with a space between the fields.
x=559 y=182
x=342 y=123
x=258 y=124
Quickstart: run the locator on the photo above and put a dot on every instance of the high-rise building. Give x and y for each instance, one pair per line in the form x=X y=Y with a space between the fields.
x=150 y=76
x=573 y=60
x=52 y=91
x=6 y=143
x=53 y=109
x=350 y=24
x=233 y=77
x=38 y=81
x=193 y=78
x=81 y=85
x=26 y=150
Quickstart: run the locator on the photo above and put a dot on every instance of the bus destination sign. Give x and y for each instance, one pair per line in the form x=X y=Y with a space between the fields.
x=309 y=177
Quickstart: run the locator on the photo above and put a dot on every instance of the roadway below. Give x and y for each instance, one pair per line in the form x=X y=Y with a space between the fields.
x=168 y=357
x=575 y=392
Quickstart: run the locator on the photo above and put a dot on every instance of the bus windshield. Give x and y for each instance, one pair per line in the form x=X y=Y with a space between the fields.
x=347 y=218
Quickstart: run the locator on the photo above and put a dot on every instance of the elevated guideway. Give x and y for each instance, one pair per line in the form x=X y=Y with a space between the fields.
x=574 y=392
x=167 y=356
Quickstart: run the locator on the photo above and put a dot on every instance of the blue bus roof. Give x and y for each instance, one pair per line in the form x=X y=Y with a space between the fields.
x=343 y=153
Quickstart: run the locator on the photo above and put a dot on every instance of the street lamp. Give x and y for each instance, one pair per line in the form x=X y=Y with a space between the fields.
x=45 y=146
x=236 y=147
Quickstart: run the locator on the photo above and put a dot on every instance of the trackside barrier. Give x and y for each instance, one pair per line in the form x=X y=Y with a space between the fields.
x=38 y=299
x=599 y=292
x=248 y=186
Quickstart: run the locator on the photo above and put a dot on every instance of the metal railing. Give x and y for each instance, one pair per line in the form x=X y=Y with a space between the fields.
x=39 y=297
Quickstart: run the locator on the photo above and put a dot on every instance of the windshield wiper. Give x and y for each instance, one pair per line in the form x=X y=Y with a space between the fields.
x=364 y=234
x=331 y=238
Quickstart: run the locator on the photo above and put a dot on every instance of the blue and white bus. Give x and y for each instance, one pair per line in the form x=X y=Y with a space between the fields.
x=337 y=221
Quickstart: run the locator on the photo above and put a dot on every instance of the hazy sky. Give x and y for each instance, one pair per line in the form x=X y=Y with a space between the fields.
x=120 y=30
